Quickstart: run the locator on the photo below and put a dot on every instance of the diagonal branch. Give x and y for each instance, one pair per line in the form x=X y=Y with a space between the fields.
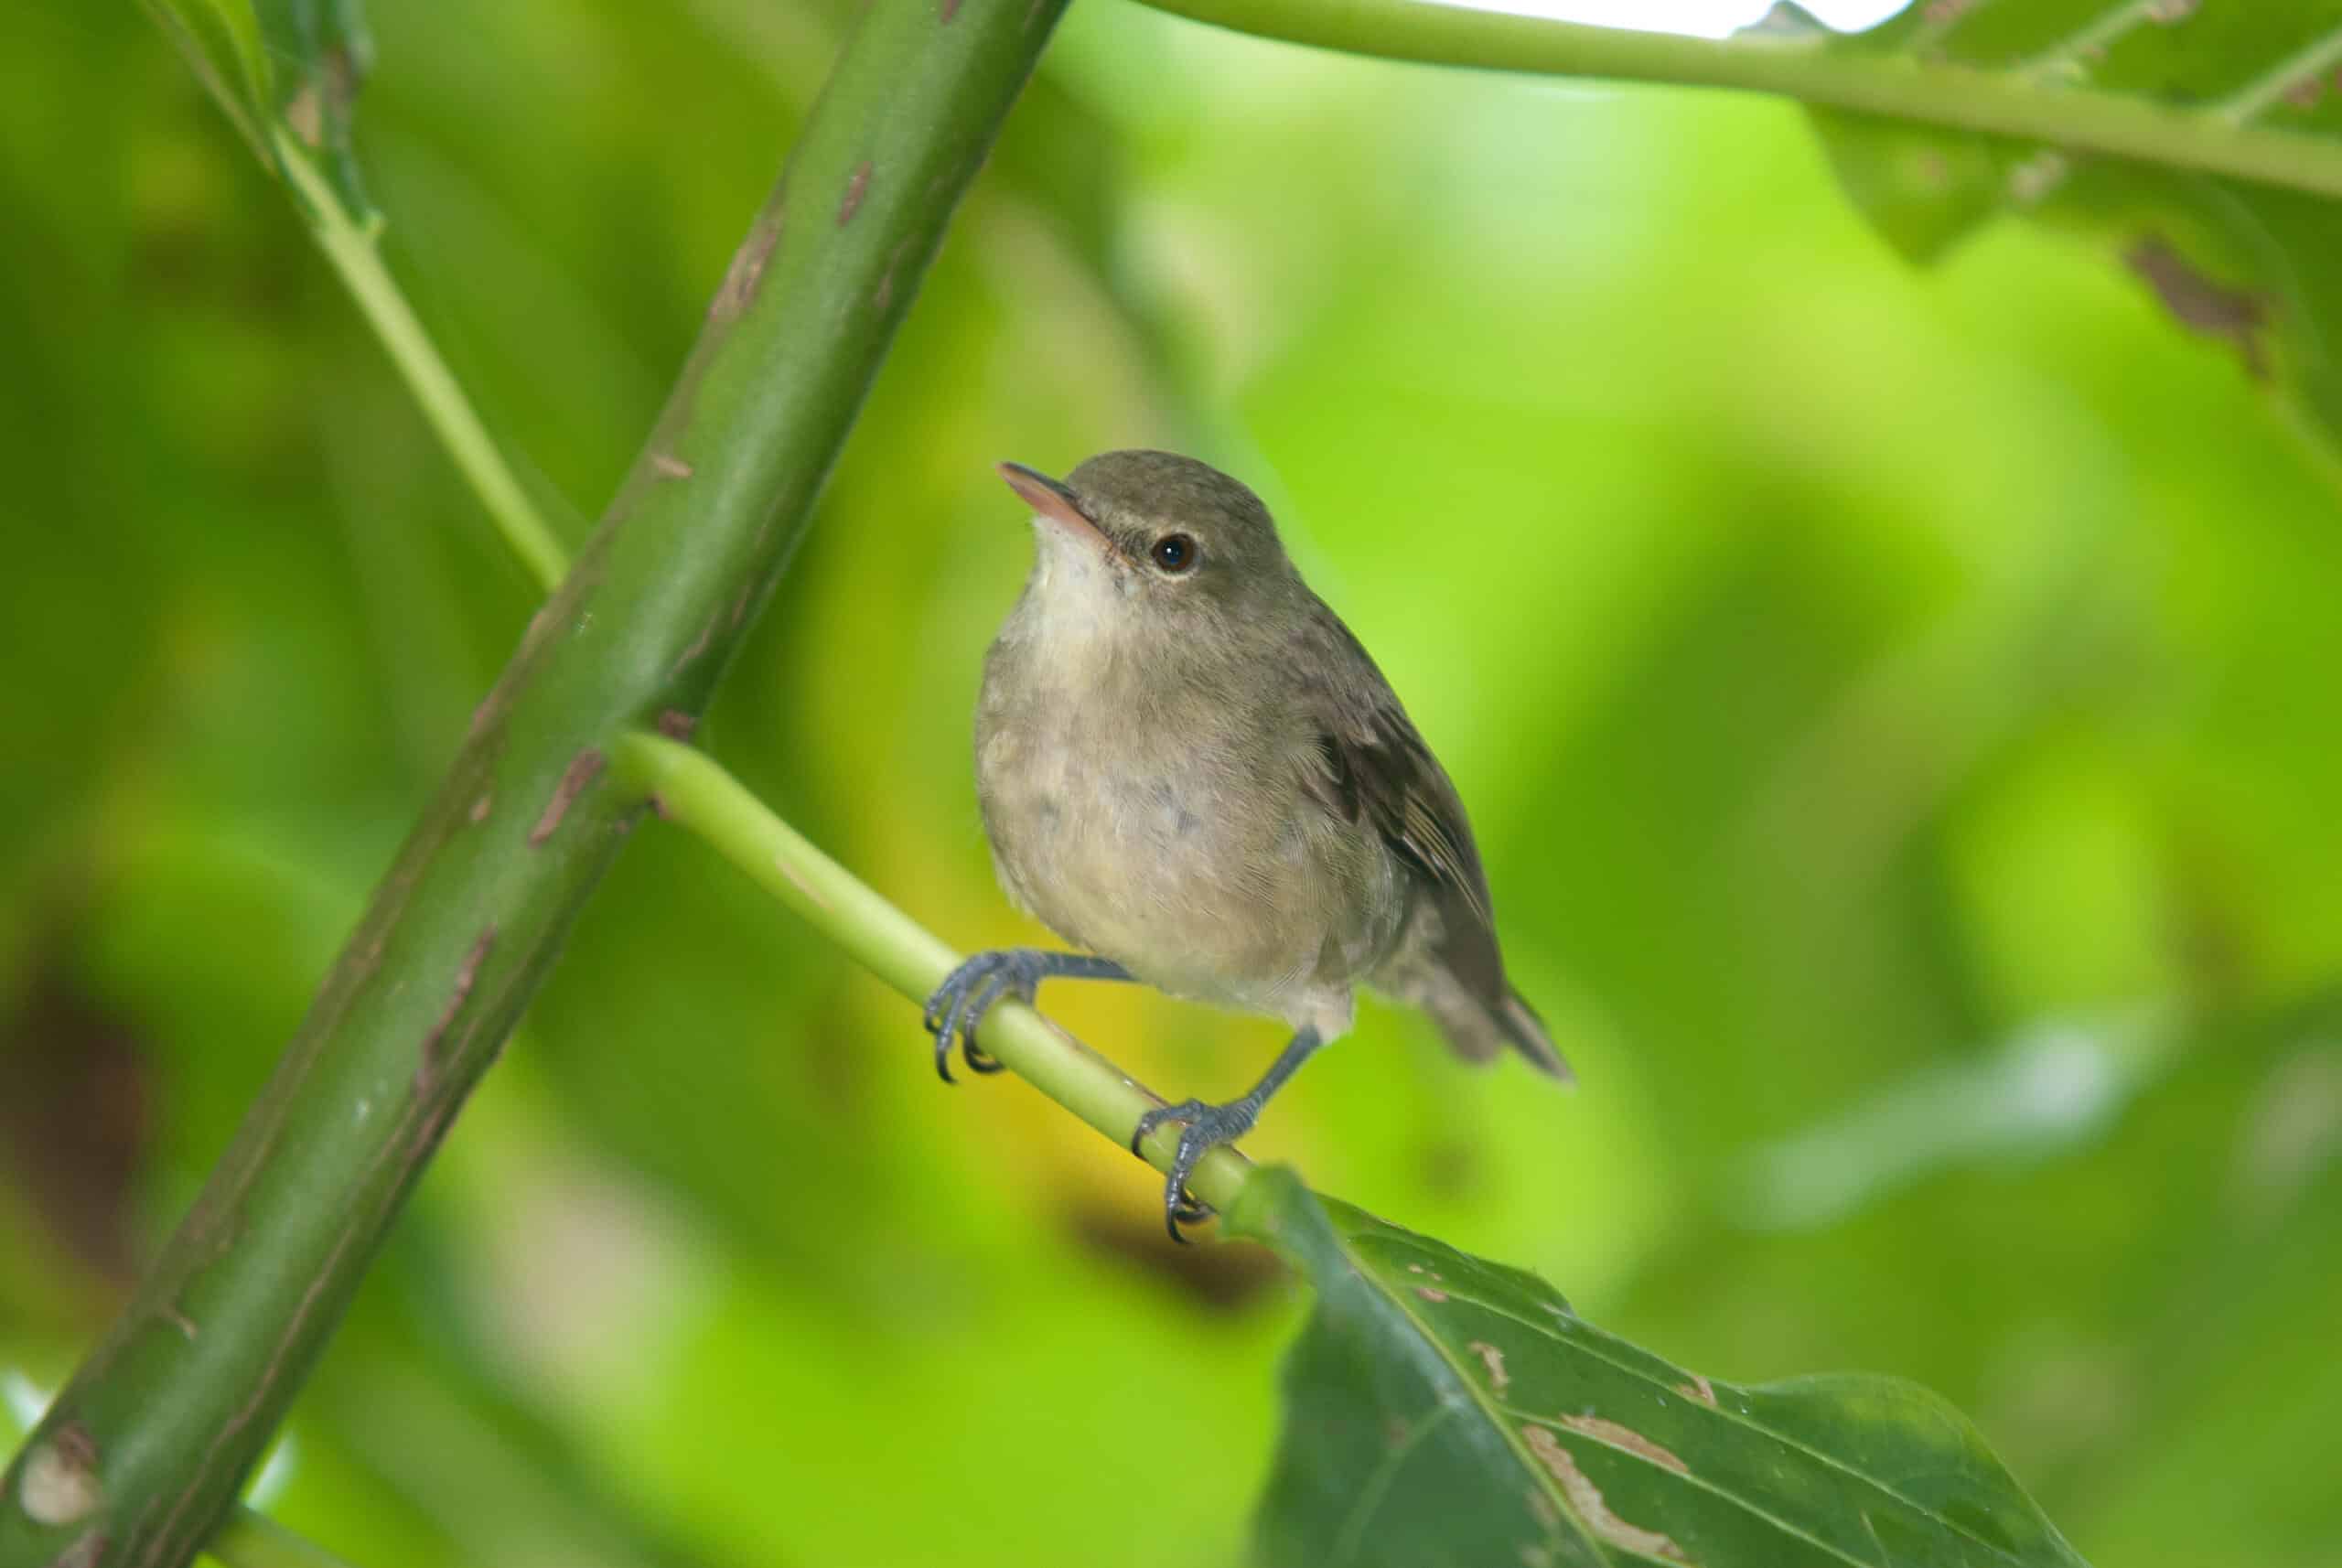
x=142 y=1453
x=690 y=788
x=1954 y=97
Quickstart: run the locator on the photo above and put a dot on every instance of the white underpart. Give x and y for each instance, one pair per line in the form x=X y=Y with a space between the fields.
x=1078 y=599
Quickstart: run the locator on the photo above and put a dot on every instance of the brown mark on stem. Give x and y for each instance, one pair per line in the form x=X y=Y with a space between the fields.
x=170 y=1313
x=797 y=880
x=60 y=1484
x=1699 y=1388
x=426 y=1074
x=1493 y=1360
x=2202 y=304
x=356 y=1225
x=481 y=807
x=740 y=602
x=1586 y=1501
x=950 y=9
x=574 y=779
x=690 y=656
x=1430 y=1295
x=855 y=186
x=667 y=465
x=884 y=294
x=747 y=273
x=1625 y=1437
x=539 y=624
x=676 y=724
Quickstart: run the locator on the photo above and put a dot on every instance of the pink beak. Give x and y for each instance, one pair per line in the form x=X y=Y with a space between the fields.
x=1050 y=499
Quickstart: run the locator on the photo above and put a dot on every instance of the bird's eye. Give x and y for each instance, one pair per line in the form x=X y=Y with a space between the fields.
x=1173 y=552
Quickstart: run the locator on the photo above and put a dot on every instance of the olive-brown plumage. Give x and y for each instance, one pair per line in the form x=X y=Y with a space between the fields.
x=1188 y=767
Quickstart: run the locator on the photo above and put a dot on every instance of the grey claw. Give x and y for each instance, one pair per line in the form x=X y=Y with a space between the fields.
x=1203 y=1129
x=966 y=995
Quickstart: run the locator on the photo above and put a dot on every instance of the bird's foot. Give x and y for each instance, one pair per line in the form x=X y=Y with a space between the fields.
x=970 y=991
x=1202 y=1128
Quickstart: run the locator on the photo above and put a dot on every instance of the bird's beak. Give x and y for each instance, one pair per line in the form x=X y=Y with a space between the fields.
x=1051 y=500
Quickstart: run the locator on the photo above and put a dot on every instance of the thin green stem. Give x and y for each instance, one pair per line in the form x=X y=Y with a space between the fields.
x=690 y=787
x=2303 y=68
x=1893 y=87
x=2076 y=53
x=349 y=246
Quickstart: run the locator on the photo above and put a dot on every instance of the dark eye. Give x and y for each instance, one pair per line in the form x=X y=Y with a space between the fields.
x=1173 y=552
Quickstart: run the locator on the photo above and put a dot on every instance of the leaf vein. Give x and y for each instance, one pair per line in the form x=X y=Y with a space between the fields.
x=1369 y=1496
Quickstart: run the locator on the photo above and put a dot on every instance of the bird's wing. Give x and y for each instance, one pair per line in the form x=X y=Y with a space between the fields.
x=1373 y=768
x=1369 y=767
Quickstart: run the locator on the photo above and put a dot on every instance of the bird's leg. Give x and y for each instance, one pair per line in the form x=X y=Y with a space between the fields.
x=1205 y=1127
x=969 y=991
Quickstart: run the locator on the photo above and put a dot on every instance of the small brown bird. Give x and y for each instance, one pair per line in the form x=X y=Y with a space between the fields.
x=1191 y=770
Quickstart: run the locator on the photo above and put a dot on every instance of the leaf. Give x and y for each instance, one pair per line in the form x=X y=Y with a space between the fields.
x=2248 y=264
x=331 y=51
x=1441 y=1409
x=234 y=50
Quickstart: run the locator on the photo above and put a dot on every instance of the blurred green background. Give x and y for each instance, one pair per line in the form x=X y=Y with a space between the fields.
x=1899 y=712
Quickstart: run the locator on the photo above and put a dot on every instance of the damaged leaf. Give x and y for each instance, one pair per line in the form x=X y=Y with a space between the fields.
x=1440 y=1408
x=281 y=65
x=2244 y=265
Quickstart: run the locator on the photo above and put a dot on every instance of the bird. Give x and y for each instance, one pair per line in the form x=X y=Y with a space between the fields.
x=1191 y=771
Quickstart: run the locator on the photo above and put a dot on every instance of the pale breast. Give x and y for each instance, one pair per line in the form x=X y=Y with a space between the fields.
x=1173 y=836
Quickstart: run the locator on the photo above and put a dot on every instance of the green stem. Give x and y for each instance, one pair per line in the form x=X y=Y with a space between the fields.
x=692 y=789
x=1893 y=87
x=142 y=1455
x=2076 y=53
x=2307 y=67
x=349 y=246
x=247 y=1538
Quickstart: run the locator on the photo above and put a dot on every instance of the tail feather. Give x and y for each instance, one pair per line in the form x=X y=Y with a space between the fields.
x=1477 y=1031
x=1525 y=1032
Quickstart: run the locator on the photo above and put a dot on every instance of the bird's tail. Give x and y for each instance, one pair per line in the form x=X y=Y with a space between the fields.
x=1478 y=1029
x=1525 y=1032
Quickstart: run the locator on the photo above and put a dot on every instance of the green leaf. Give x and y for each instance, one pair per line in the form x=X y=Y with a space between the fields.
x=235 y=47
x=331 y=52
x=2242 y=262
x=1441 y=1409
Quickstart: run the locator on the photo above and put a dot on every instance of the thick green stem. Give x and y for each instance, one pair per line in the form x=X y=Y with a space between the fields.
x=248 y=1540
x=349 y=246
x=1894 y=87
x=142 y=1455
x=690 y=788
